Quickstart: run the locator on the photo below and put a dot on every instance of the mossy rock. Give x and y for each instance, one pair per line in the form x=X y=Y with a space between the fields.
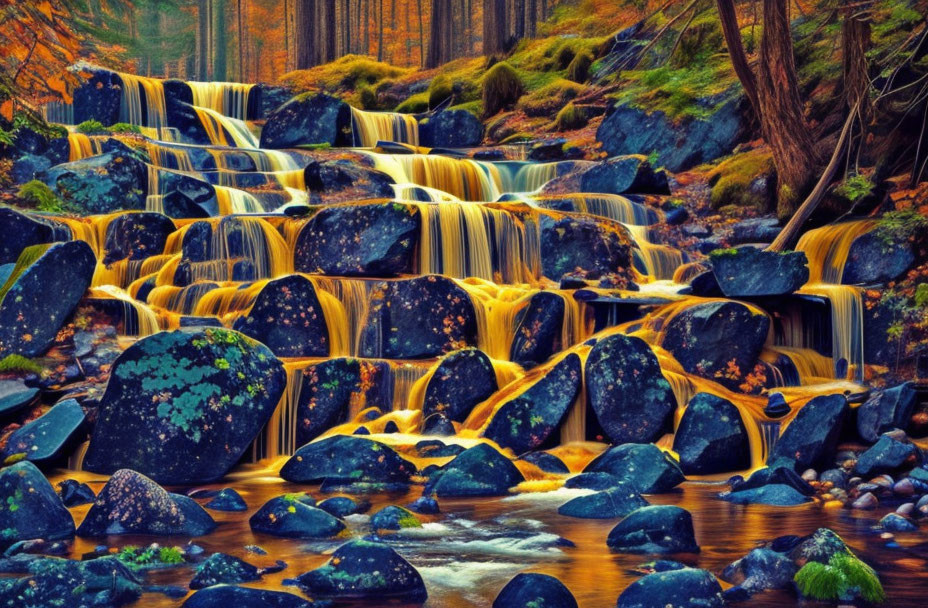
x=745 y=180
x=31 y=508
x=501 y=88
x=550 y=98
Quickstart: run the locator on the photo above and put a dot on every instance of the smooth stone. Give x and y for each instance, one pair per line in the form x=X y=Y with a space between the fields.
x=15 y=395
x=812 y=436
x=645 y=466
x=220 y=568
x=776 y=406
x=773 y=494
x=592 y=481
x=866 y=501
x=886 y=455
x=289 y=517
x=530 y=590
x=227 y=500
x=393 y=517
x=750 y=272
x=617 y=501
x=425 y=505
x=46 y=438
x=347 y=459
x=477 y=471
x=74 y=493
x=462 y=380
x=760 y=570
x=548 y=463
x=343 y=506
x=711 y=437
x=654 y=529
x=230 y=596
x=893 y=522
x=685 y=588
x=32 y=508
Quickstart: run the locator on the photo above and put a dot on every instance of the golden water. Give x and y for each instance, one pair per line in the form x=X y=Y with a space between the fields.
x=371 y=127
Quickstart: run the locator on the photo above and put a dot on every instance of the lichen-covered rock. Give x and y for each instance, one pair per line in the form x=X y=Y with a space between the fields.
x=21 y=230
x=346 y=180
x=418 y=318
x=131 y=503
x=375 y=240
x=572 y=244
x=872 y=259
x=289 y=517
x=348 y=460
x=749 y=271
x=227 y=596
x=526 y=422
x=136 y=236
x=451 y=129
x=538 y=334
x=462 y=380
x=655 y=529
x=220 y=568
x=812 y=436
x=617 y=501
x=306 y=120
x=886 y=410
x=29 y=167
x=343 y=506
x=617 y=175
x=42 y=291
x=627 y=391
x=287 y=318
x=183 y=406
x=64 y=583
x=364 y=570
x=32 y=509
x=46 y=438
x=648 y=469
x=393 y=517
x=101 y=184
x=711 y=437
x=760 y=570
x=685 y=588
x=531 y=590
x=478 y=471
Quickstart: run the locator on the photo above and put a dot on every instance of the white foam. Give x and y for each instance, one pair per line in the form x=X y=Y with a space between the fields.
x=466 y=575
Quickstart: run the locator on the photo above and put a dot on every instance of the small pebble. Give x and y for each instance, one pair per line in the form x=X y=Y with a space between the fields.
x=866 y=501
x=904 y=487
x=906 y=509
x=810 y=475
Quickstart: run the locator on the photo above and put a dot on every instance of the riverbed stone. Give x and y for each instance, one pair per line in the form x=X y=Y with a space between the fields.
x=308 y=119
x=654 y=529
x=627 y=174
x=538 y=333
x=45 y=439
x=548 y=463
x=289 y=517
x=780 y=495
x=811 y=438
x=136 y=236
x=748 y=271
x=346 y=180
x=532 y=590
x=343 y=506
x=711 y=437
x=592 y=481
x=183 y=406
x=526 y=422
x=52 y=581
x=887 y=455
x=100 y=184
x=886 y=410
x=227 y=500
x=760 y=570
x=462 y=379
x=874 y=260
x=73 y=493
x=573 y=243
x=32 y=508
x=477 y=471
x=347 y=459
x=227 y=596
x=688 y=587
x=645 y=466
x=393 y=517
x=627 y=391
x=617 y=501
x=450 y=129
x=220 y=568
x=23 y=230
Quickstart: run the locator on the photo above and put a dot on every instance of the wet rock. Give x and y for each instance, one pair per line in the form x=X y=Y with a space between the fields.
x=462 y=380
x=131 y=503
x=43 y=290
x=307 y=119
x=74 y=493
x=29 y=167
x=104 y=581
x=186 y=196
x=289 y=517
x=836 y=477
x=749 y=271
x=227 y=500
x=450 y=129
x=617 y=175
x=592 y=481
x=760 y=570
x=755 y=230
x=546 y=462
x=893 y=522
x=774 y=476
x=15 y=396
x=688 y=587
x=183 y=406
x=617 y=501
x=531 y=590
x=338 y=180
x=375 y=240
x=361 y=570
x=425 y=505
x=654 y=529
x=343 y=506
x=626 y=389
x=32 y=509
x=418 y=318
x=819 y=546
x=220 y=568
x=538 y=332
x=100 y=184
x=98 y=97
x=478 y=471
x=526 y=421
x=227 y=596
x=886 y=456
x=771 y=494
x=776 y=406
x=393 y=517
x=287 y=318
x=648 y=469
x=347 y=459
x=432 y=448
x=136 y=236
x=886 y=410
x=709 y=338
x=711 y=437
x=21 y=230
x=438 y=424
x=812 y=436
x=871 y=259
x=45 y=439
x=904 y=487
x=572 y=243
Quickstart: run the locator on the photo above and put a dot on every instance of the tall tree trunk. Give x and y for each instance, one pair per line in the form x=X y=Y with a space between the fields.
x=421 y=36
x=304 y=26
x=440 y=38
x=519 y=26
x=329 y=26
x=739 y=60
x=495 y=31
x=241 y=40
x=202 y=38
x=855 y=39
x=220 y=68
x=380 y=32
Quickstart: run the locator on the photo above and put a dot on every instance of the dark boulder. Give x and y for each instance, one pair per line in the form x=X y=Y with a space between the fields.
x=772 y=494
x=183 y=406
x=393 y=517
x=220 y=568
x=75 y=493
x=778 y=475
x=618 y=501
x=227 y=500
x=549 y=463
x=626 y=389
x=749 y=271
x=648 y=469
x=181 y=115
x=343 y=506
x=478 y=471
x=347 y=459
x=287 y=318
x=15 y=396
x=812 y=436
x=136 y=236
x=32 y=509
x=462 y=380
x=263 y=99
x=186 y=196
x=886 y=410
x=227 y=596
x=308 y=119
x=760 y=570
x=376 y=240
x=45 y=439
x=872 y=259
x=592 y=481
x=531 y=590
x=104 y=582
x=364 y=570
x=893 y=522
x=101 y=184
x=289 y=517
x=755 y=230
x=820 y=546
x=99 y=97
x=438 y=424
x=21 y=230
x=685 y=588
x=426 y=505
x=39 y=296
x=450 y=129
x=131 y=503
x=711 y=437
x=526 y=422
x=886 y=456
x=574 y=243
x=29 y=167
x=433 y=448
x=418 y=318
x=346 y=180
x=632 y=174
x=538 y=332
x=776 y=407
x=654 y=529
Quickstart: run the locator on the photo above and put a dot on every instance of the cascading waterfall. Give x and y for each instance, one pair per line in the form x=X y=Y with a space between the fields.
x=223 y=130
x=151 y=113
x=465 y=179
x=370 y=127
x=227 y=98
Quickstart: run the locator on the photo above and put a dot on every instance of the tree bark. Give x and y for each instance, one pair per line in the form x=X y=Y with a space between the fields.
x=739 y=60
x=380 y=32
x=421 y=36
x=855 y=39
x=304 y=33
x=440 y=38
x=495 y=30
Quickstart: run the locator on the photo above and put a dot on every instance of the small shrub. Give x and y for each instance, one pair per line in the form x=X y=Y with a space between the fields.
x=124 y=127
x=91 y=126
x=570 y=118
x=40 y=196
x=440 y=89
x=170 y=555
x=502 y=88
x=579 y=68
x=855 y=188
x=18 y=363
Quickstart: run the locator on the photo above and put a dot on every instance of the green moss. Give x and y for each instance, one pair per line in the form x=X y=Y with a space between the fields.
x=41 y=197
x=18 y=363
x=855 y=188
x=565 y=54
x=26 y=258
x=91 y=126
x=731 y=180
x=367 y=98
x=901 y=226
x=502 y=88
x=570 y=118
x=124 y=127
x=844 y=577
x=718 y=253
x=579 y=68
x=550 y=98
x=170 y=555
x=416 y=104
x=440 y=89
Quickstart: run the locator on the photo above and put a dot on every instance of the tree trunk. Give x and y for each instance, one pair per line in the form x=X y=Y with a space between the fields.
x=304 y=33
x=855 y=38
x=241 y=42
x=380 y=32
x=739 y=60
x=495 y=31
x=440 y=38
x=421 y=36
x=219 y=27
x=202 y=38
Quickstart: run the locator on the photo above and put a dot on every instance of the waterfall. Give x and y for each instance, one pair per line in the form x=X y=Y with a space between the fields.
x=660 y=261
x=226 y=98
x=370 y=127
x=219 y=125
x=81 y=146
x=151 y=113
x=465 y=179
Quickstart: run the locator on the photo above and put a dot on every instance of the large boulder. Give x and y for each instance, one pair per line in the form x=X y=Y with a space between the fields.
x=31 y=507
x=644 y=466
x=749 y=271
x=872 y=259
x=719 y=340
x=289 y=517
x=186 y=196
x=462 y=380
x=263 y=99
x=99 y=97
x=886 y=410
x=632 y=174
x=887 y=455
x=812 y=436
x=183 y=406
x=287 y=318
x=136 y=236
x=64 y=583
x=21 y=230
x=654 y=529
x=220 y=568
x=393 y=517
x=110 y=182
x=760 y=570
x=572 y=244
x=478 y=471
x=40 y=294
x=526 y=422
x=131 y=503
x=348 y=460
x=418 y=318
x=679 y=144
x=45 y=439
x=450 y=129
x=226 y=596
x=181 y=115
x=308 y=119
x=346 y=180
x=364 y=570
x=377 y=240
x=617 y=501
x=711 y=437
x=538 y=333
x=625 y=388
x=775 y=494
x=29 y=167
x=532 y=590
x=685 y=588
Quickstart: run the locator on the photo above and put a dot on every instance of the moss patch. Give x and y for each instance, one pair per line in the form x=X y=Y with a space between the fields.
x=732 y=178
